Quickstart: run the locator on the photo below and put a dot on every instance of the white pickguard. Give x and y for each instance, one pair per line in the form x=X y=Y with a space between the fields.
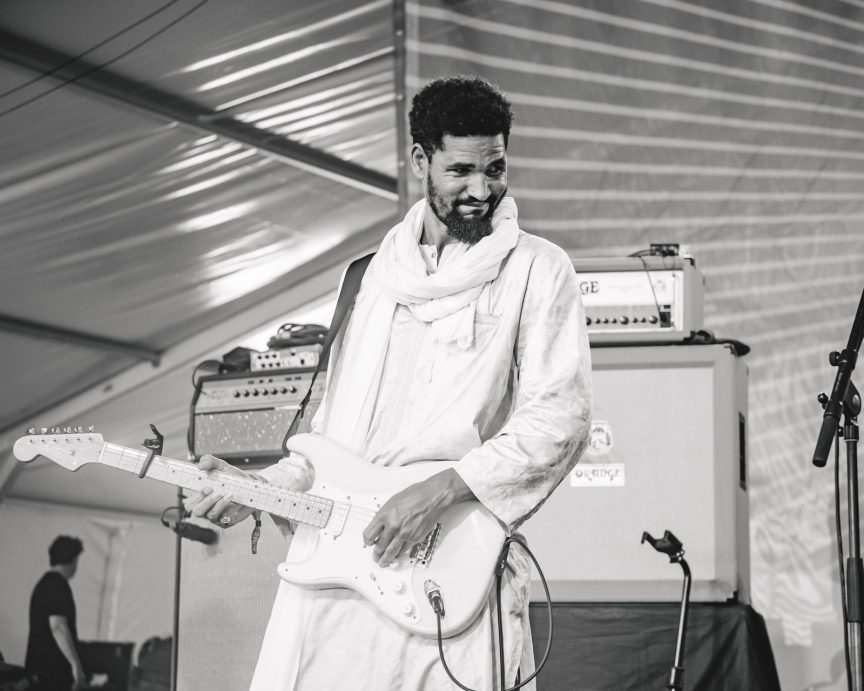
x=462 y=562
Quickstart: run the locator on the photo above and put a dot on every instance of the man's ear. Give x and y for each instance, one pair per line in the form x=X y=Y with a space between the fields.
x=419 y=162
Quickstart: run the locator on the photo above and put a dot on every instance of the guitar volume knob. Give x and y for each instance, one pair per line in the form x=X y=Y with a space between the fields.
x=408 y=609
x=399 y=587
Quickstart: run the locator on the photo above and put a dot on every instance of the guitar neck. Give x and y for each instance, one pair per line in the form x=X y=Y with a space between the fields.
x=248 y=491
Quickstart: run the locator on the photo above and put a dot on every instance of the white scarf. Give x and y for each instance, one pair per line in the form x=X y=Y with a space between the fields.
x=397 y=276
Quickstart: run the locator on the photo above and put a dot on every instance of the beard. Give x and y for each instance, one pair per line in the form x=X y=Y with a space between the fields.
x=469 y=229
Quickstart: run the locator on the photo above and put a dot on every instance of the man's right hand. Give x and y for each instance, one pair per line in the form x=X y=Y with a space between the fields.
x=214 y=506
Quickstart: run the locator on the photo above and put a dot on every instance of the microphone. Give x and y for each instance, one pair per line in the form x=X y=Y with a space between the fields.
x=845 y=364
x=433 y=594
x=193 y=532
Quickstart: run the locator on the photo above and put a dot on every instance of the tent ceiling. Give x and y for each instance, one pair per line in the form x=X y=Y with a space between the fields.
x=173 y=190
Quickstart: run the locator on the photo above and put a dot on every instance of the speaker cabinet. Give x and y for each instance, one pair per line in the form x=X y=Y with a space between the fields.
x=668 y=451
x=226 y=593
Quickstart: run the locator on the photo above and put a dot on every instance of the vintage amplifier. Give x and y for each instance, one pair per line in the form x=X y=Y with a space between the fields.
x=635 y=300
x=243 y=418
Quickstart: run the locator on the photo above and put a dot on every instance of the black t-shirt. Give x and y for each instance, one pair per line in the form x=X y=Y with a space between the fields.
x=51 y=596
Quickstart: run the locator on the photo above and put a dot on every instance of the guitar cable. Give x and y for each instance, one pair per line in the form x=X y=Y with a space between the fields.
x=437 y=606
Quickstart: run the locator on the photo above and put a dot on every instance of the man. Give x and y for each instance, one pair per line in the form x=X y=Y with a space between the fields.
x=52 y=644
x=467 y=343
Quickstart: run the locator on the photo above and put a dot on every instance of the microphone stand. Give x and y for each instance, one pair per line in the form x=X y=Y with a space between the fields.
x=671 y=546
x=846 y=400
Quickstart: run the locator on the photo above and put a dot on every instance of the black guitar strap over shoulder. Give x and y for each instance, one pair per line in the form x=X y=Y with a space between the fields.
x=350 y=288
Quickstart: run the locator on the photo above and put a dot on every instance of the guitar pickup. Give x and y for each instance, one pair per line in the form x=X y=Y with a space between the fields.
x=422 y=552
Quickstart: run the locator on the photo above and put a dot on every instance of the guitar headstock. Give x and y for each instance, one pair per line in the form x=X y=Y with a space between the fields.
x=70 y=447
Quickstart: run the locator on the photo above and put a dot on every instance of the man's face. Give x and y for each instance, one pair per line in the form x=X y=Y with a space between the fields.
x=73 y=567
x=465 y=181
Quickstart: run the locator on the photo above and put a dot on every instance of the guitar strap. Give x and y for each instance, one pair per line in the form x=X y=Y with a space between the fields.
x=344 y=303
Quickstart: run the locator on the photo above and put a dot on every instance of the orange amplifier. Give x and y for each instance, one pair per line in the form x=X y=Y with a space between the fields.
x=636 y=300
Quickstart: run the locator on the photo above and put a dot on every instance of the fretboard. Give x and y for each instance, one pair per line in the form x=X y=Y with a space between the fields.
x=296 y=506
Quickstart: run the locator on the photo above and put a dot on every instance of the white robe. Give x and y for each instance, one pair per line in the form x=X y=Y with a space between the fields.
x=515 y=411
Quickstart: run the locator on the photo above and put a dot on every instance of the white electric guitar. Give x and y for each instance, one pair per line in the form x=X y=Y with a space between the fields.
x=456 y=561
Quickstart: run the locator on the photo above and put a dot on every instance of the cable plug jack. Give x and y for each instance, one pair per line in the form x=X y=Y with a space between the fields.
x=433 y=594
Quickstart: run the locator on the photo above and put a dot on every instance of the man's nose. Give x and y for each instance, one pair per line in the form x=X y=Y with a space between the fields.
x=478 y=187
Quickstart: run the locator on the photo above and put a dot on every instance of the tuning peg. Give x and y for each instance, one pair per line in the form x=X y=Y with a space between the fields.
x=31 y=430
x=91 y=429
x=44 y=430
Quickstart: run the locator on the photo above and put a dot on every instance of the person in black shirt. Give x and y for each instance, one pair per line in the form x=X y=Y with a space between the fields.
x=51 y=647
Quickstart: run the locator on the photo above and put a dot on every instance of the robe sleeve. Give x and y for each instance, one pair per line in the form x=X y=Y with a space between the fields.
x=294 y=471
x=514 y=471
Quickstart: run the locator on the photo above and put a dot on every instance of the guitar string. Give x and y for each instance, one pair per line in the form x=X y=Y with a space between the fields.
x=357 y=516
x=355 y=513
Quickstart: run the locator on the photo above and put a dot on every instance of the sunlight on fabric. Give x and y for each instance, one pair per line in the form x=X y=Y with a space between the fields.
x=209 y=139
x=216 y=218
x=287 y=36
x=198 y=159
x=301 y=54
x=228 y=280
x=338 y=114
x=308 y=77
x=218 y=179
x=327 y=95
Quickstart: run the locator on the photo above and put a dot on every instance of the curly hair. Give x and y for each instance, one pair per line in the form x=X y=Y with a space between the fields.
x=461 y=107
x=64 y=549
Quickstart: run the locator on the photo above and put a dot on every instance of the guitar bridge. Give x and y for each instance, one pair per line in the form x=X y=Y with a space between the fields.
x=421 y=553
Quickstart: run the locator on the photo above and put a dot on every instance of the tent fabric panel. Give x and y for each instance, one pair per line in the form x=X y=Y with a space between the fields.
x=171 y=225
x=310 y=62
x=37 y=372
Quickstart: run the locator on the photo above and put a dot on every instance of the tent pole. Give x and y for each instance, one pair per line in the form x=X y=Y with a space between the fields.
x=400 y=77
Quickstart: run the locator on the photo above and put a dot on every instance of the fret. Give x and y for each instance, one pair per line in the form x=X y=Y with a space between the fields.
x=272 y=496
x=131 y=460
x=114 y=453
x=158 y=470
x=252 y=492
